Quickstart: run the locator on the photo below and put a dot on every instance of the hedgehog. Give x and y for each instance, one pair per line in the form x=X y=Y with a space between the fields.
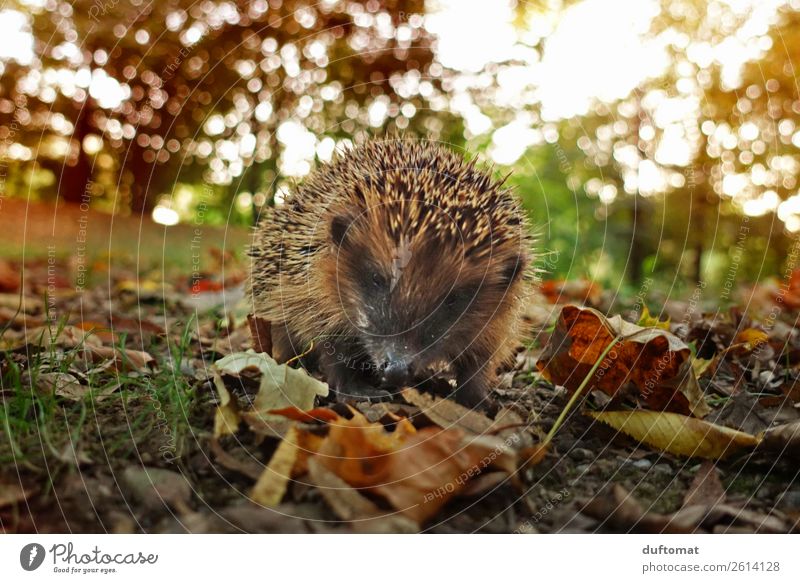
x=395 y=261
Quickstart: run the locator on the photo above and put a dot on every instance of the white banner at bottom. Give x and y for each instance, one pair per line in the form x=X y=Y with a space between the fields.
x=390 y=558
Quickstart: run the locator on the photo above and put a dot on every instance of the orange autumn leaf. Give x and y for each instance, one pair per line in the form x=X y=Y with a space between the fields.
x=432 y=467
x=319 y=414
x=654 y=363
x=357 y=450
x=417 y=472
x=560 y=291
x=98 y=329
x=752 y=337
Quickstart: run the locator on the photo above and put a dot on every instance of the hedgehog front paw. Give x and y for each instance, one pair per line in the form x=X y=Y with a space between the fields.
x=473 y=392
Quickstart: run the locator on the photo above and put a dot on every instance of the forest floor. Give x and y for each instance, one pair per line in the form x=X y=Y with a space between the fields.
x=113 y=419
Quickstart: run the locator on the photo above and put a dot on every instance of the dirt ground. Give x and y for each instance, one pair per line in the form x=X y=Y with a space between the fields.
x=128 y=444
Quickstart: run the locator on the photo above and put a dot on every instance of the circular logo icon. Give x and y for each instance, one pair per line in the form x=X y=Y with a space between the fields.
x=31 y=556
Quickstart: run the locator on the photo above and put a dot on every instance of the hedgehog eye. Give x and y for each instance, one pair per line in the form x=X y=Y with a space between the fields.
x=512 y=270
x=450 y=300
x=339 y=226
x=378 y=280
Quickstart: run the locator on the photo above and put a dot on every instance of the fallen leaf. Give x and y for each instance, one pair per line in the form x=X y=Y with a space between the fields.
x=281 y=386
x=655 y=362
x=448 y=414
x=273 y=482
x=349 y=505
x=226 y=417
x=706 y=488
x=266 y=424
x=13 y=493
x=417 y=472
x=261 y=333
x=648 y=321
x=61 y=384
x=30 y=305
x=431 y=468
x=358 y=451
x=701 y=365
x=64 y=384
x=99 y=330
x=47 y=336
x=321 y=414
x=581 y=291
x=752 y=337
x=783 y=438
x=122 y=359
x=618 y=510
x=156 y=489
x=678 y=434
x=247 y=467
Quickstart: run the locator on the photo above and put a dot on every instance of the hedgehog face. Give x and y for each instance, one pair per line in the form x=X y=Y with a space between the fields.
x=415 y=303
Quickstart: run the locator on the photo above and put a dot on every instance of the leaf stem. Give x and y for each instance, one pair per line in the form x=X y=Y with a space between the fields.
x=578 y=392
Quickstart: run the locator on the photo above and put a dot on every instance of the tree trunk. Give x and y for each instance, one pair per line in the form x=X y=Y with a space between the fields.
x=142 y=175
x=638 y=251
x=75 y=181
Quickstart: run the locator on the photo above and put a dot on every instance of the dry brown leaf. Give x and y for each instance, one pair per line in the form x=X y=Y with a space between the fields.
x=348 y=504
x=448 y=414
x=431 y=468
x=13 y=493
x=66 y=337
x=416 y=472
x=247 y=467
x=153 y=488
x=119 y=358
x=678 y=434
x=30 y=305
x=706 y=488
x=784 y=438
x=226 y=417
x=654 y=361
x=261 y=333
x=271 y=486
x=618 y=510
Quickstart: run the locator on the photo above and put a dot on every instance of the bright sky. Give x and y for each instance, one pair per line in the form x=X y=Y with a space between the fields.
x=601 y=49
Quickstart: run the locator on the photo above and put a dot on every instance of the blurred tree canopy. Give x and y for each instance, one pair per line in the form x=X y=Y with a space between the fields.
x=219 y=105
x=123 y=100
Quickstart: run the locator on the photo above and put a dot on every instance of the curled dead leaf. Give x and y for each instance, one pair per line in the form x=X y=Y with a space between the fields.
x=654 y=361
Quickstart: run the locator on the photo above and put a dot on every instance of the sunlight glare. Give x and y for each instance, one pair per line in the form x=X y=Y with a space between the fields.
x=16 y=41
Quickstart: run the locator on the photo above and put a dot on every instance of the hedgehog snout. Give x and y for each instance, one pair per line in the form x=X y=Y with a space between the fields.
x=396 y=370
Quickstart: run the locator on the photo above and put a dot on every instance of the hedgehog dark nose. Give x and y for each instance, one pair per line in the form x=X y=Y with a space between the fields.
x=396 y=372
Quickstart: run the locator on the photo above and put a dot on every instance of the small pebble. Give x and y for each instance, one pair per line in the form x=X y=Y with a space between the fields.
x=642 y=464
x=790 y=499
x=580 y=454
x=663 y=469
